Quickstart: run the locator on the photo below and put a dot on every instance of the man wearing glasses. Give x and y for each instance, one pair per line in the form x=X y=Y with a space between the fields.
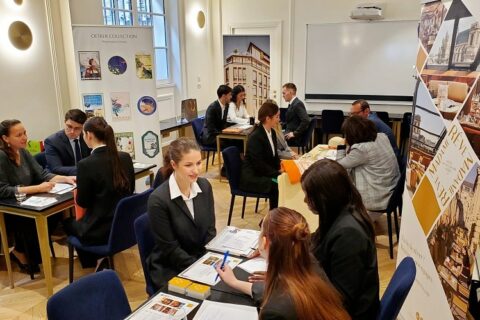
x=362 y=108
x=66 y=147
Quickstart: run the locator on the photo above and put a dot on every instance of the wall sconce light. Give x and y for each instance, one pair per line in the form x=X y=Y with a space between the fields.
x=201 y=19
x=18 y=2
x=20 y=35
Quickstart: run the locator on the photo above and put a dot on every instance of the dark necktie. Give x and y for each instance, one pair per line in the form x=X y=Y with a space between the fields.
x=78 y=154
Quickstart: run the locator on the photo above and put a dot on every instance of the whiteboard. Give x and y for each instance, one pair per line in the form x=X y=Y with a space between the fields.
x=370 y=60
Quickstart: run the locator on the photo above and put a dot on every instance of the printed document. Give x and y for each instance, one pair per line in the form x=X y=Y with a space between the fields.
x=240 y=242
x=164 y=306
x=203 y=270
x=210 y=310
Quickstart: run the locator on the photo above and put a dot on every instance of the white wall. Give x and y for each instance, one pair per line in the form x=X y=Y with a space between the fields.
x=30 y=91
x=294 y=15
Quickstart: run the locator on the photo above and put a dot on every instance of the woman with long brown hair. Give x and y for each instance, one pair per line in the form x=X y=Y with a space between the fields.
x=237 y=111
x=103 y=178
x=262 y=164
x=20 y=173
x=344 y=243
x=293 y=287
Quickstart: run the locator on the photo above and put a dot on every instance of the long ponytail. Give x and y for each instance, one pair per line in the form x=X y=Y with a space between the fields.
x=104 y=133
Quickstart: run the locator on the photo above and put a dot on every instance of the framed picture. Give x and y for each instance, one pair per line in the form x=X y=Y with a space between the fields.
x=150 y=145
x=117 y=65
x=93 y=104
x=143 y=64
x=147 y=105
x=124 y=141
x=120 y=102
x=89 y=63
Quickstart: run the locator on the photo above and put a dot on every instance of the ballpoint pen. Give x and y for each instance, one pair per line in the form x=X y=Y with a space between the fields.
x=225 y=257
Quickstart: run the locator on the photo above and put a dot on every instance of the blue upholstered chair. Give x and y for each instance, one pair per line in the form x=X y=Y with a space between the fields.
x=397 y=290
x=98 y=296
x=233 y=165
x=306 y=141
x=197 y=125
x=122 y=234
x=146 y=242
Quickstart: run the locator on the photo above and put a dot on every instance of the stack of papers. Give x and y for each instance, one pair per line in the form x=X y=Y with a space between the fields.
x=164 y=306
x=138 y=165
x=203 y=270
x=61 y=188
x=38 y=201
x=253 y=265
x=239 y=242
x=210 y=310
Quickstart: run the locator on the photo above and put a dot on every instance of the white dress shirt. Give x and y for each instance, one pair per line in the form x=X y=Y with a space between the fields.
x=269 y=136
x=239 y=115
x=175 y=192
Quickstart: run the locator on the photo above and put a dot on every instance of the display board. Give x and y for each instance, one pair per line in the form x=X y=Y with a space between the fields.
x=116 y=80
x=441 y=203
x=369 y=60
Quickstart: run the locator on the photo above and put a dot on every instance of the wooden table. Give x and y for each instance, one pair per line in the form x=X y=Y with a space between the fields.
x=242 y=135
x=145 y=171
x=40 y=215
x=170 y=125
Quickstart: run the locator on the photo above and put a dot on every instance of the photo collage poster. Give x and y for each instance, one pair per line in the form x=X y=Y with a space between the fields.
x=116 y=81
x=441 y=208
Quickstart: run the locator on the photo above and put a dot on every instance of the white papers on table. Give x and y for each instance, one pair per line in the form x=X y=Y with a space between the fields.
x=61 y=188
x=38 y=201
x=240 y=242
x=164 y=306
x=210 y=310
x=138 y=165
x=203 y=270
x=331 y=154
x=255 y=264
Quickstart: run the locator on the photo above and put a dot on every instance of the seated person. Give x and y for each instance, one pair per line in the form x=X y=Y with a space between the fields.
x=105 y=177
x=296 y=117
x=370 y=161
x=292 y=288
x=66 y=147
x=262 y=164
x=237 y=112
x=344 y=243
x=216 y=115
x=19 y=172
x=362 y=108
x=181 y=213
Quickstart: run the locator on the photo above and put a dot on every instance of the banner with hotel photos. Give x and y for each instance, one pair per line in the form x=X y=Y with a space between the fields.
x=441 y=211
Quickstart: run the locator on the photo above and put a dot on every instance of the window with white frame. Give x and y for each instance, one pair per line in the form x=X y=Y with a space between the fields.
x=142 y=13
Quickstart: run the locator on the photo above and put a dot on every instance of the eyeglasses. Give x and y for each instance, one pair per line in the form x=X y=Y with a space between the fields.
x=71 y=128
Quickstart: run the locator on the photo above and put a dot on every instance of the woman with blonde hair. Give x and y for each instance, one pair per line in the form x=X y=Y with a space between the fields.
x=293 y=288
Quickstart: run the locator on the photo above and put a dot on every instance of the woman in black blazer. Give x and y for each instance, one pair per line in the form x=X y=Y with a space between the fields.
x=262 y=164
x=103 y=178
x=344 y=243
x=293 y=288
x=182 y=214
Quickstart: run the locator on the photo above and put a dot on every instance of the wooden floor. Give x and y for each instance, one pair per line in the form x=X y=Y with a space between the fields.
x=28 y=299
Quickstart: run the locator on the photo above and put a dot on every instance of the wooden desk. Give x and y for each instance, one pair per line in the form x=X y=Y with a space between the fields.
x=243 y=136
x=145 y=171
x=10 y=206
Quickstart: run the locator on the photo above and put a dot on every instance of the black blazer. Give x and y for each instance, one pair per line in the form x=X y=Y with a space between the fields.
x=279 y=307
x=215 y=122
x=95 y=192
x=179 y=239
x=297 y=119
x=260 y=163
x=59 y=153
x=349 y=258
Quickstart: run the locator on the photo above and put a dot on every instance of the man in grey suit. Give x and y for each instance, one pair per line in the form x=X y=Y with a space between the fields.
x=296 y=118
x=65 y=148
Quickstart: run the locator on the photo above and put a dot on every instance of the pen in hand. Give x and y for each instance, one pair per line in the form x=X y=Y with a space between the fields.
x=225 y=257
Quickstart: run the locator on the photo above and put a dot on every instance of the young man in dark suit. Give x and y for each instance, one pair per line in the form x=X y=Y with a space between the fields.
x=66 y=147
x=216 y=115
x=296 y=118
